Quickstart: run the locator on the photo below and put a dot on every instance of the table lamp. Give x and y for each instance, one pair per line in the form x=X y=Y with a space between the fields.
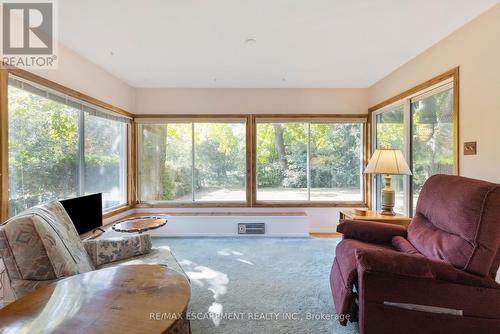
x=388 y=162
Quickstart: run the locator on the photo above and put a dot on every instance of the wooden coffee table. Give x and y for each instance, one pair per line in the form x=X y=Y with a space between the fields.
x=121 y=299
x=139 y=224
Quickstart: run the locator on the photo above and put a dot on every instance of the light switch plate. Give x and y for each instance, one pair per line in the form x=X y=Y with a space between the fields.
x=470 y=148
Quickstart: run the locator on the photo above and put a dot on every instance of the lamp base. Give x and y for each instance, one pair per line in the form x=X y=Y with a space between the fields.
x=388 y=212
x=388 y=198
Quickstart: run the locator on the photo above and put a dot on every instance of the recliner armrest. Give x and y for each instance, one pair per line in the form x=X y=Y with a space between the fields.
x=416 y=266
x=370 y=231
x=102 y=251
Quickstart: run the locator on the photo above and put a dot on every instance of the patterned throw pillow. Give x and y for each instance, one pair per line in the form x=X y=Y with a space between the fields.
x=42 y=243
x=103 y=251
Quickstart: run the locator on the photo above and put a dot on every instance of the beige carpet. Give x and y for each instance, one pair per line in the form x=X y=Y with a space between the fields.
x=259 y=285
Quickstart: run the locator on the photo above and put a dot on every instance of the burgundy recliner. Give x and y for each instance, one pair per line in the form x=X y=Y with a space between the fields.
x=436 y=277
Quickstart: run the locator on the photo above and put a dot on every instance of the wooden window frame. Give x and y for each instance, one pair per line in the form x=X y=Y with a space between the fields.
x=197 y=118
x=4 y=147
x=251 y=182
x=310 y=118
x=454 y=75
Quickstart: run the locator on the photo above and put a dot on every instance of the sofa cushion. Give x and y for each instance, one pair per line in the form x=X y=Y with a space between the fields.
x=42 y=244
x=103 y=251
x=158 y=255
x=404 y=246
x=456 y=220
x=416 y=266
x=23 y=251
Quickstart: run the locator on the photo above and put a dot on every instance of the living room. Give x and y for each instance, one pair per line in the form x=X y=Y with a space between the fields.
x=250 y=167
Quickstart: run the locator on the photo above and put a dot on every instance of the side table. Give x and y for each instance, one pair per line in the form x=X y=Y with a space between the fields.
x=375 y=216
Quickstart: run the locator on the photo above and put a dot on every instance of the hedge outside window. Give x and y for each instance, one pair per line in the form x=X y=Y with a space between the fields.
x=60 y=148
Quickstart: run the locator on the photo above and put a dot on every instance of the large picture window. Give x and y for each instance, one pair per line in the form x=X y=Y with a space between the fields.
x=59 y=147
x=390 y=133
x=204 y=160
x=187 y=161
x=432 y=137
x=309 y=160
x=422 y=126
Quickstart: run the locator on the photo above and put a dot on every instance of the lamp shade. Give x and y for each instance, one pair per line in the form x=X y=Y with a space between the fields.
x=387 y=161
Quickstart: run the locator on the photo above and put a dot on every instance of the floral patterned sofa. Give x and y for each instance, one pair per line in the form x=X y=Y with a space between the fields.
x=41 y=245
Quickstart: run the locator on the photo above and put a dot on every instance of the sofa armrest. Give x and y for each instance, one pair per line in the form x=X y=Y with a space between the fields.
x=417 y=266
x=369 y=231
x=102 y=251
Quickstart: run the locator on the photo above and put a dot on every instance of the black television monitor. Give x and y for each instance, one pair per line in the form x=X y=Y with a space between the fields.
x=85 y=212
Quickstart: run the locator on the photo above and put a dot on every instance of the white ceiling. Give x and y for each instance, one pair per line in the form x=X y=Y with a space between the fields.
x=300 y=43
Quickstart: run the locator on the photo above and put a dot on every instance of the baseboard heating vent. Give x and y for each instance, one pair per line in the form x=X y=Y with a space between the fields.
x=251 y=228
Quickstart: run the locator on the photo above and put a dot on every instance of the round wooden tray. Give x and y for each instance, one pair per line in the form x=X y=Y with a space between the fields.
x=139 y=224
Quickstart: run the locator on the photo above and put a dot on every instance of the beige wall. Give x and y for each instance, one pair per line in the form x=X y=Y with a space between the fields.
x=80 y=74
x=251 y=101
x=476 y=49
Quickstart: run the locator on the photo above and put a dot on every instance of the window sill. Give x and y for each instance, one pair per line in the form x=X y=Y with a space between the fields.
x=298 y=204
x=258 y=204
x=116 y=210
x=194 y=205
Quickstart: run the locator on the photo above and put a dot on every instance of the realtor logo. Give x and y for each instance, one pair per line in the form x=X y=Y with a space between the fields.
x=28 y=34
